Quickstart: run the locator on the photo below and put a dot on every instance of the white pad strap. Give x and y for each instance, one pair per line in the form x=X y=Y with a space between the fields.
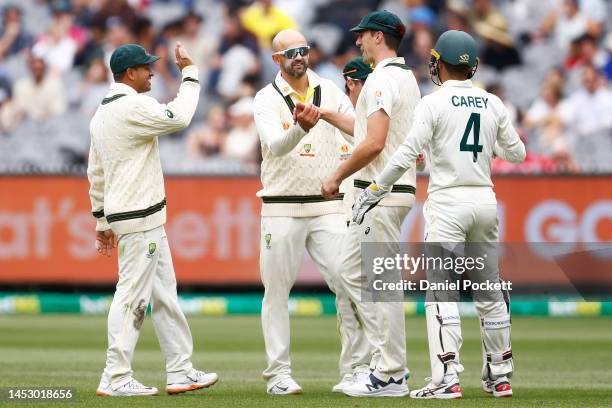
x=444 y=334
x=498 y=351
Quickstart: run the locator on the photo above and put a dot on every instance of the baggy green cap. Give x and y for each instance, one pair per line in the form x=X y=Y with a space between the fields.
x=356 y=69
x=128 y=56
x=456 y=48
x=384 y=21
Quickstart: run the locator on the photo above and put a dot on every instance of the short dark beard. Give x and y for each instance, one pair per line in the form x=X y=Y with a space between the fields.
x=290 y=71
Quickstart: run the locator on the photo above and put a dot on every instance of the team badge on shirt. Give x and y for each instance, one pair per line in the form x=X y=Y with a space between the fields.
x=344 y=152
x=306 y=150
x=286 y=125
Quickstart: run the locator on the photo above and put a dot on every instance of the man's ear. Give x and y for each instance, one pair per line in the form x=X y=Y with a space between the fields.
x=380 y=37
x=276 y=59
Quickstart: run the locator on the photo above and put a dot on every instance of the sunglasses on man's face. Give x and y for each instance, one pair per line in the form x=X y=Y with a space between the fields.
x=291 y=53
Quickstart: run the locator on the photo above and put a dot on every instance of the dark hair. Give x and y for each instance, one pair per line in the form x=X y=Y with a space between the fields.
x=392 y=41
x=346 y=88
x=118 y=77
x=458 y=70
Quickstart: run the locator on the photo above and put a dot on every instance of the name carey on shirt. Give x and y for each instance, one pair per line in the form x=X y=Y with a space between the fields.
x=469 y=101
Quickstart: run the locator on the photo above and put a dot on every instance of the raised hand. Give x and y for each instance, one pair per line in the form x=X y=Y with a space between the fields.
x=183 y=59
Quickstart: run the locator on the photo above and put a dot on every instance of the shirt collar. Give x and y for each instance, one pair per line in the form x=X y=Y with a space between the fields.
x=313 y=81
x=381 y=64
x=118 y=87
x=457 y=84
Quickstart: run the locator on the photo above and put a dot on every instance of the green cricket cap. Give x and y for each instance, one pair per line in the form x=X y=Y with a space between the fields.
x=356 y=69
x=128 y=56
x=384 y=21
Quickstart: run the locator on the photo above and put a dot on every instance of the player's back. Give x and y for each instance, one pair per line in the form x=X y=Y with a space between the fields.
x=466 y=124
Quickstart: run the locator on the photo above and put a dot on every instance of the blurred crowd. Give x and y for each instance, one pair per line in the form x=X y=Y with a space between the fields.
x=549 y=60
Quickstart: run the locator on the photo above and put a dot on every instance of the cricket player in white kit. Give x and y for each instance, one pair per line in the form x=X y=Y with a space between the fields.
x=385 y=109
x=465 y=128
x=128 y=199
x=298 y=153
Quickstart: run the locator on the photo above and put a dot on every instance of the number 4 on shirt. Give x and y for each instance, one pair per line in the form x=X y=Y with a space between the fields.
x=475 y=148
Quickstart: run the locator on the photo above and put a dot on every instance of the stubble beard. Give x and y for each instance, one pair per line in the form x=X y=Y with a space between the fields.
x=299 y=72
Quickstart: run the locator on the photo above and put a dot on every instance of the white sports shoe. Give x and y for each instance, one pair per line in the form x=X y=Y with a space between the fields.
x=192 y=381
x=285 y=387
x=132 y=388
x=452 y=390
x=345 y=381
x=499 y=388
x=369 y=385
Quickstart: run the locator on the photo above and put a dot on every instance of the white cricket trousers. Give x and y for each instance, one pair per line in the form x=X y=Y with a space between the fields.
x=146 y=277
x=283 y=240
x=384 y=322
x=456 y=216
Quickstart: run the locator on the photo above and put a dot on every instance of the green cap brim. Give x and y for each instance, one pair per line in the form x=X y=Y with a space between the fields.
x=358 y=29
x=151 y=59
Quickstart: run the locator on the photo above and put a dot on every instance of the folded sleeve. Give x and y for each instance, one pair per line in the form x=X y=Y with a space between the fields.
x=150 y=118
x=508 y=145
x=270 y=127
x=95 y=175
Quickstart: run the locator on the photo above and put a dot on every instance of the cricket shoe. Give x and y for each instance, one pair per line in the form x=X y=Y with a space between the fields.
x=193 y=381
x=450 y=390
x=344 y=382
x=371 y=386
x=132 y=388
x=285 y=387
x=499 y=388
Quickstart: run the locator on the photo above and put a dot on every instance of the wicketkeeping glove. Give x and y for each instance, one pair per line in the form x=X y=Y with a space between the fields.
x=367 y=200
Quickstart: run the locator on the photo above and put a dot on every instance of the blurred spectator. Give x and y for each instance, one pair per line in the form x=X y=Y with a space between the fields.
x=332 y=68
x=482 y=10
x=118 y=8
x=41 y=95
x=419 y=56
x=242 y=140
x=265 y=20
x=56 y=46
x=542 y=118
x=13 y=36
x=144 y=33
x=207 y=139
x=607 y=57
x=498 y=51
x=94 y=87
x=236 y=58
x=202 y=46
x=587 y=110
x=165 y=69
x=94 y=46
x=421 y=18
x=567 y=23
x=563 y=161
x=497 y=90
x=457 y=16
x=9 y=115
x=533 y=164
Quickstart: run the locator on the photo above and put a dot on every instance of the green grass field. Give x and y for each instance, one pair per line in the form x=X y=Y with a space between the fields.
x=560 y=362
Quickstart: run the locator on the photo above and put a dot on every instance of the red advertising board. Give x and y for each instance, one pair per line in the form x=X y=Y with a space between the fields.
x=47 y=230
